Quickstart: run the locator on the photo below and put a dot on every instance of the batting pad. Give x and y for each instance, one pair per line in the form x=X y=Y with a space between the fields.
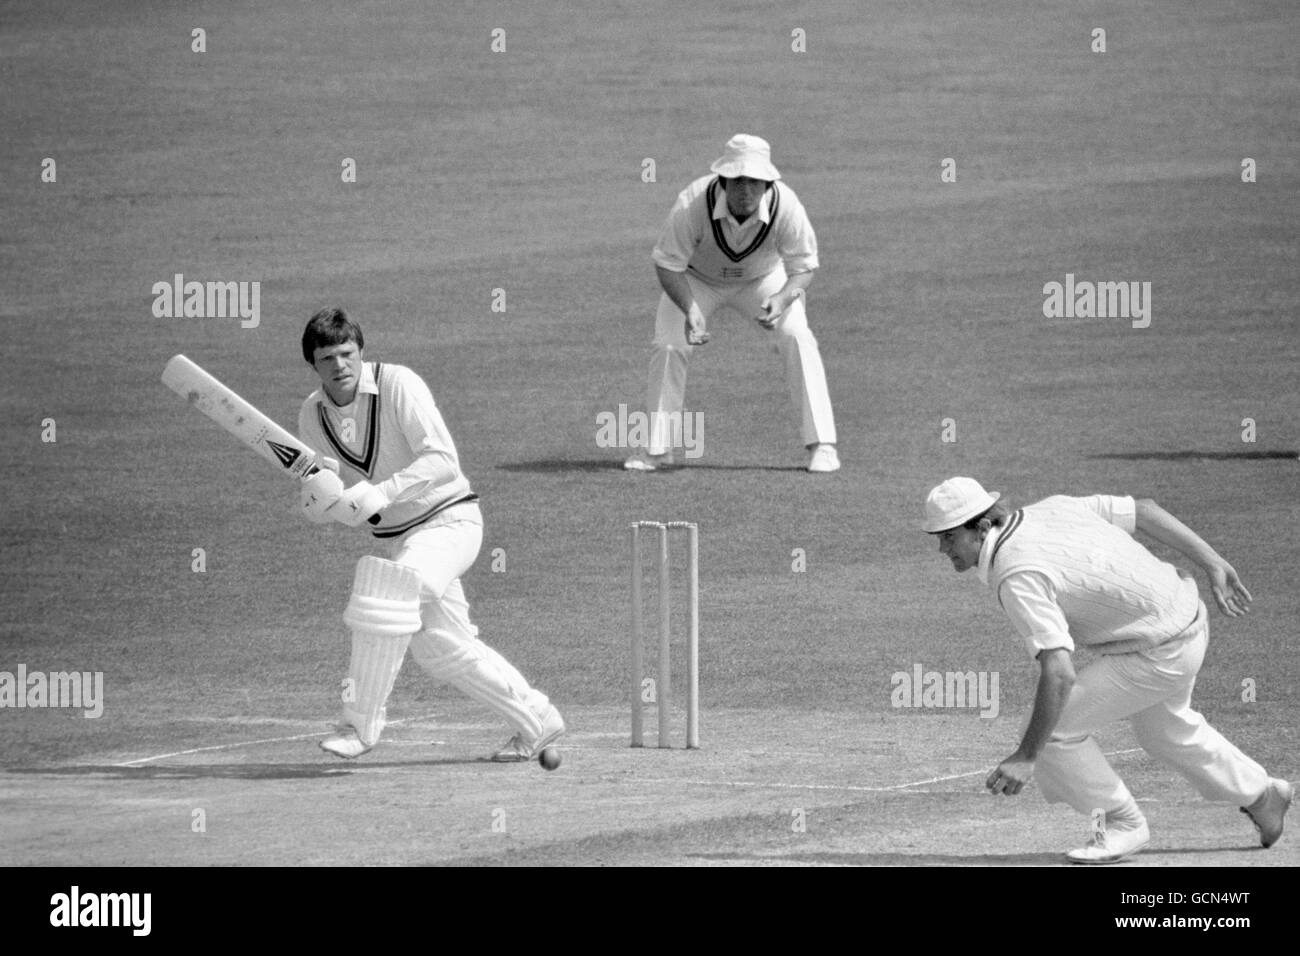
x=383 y=613
x=475 y=669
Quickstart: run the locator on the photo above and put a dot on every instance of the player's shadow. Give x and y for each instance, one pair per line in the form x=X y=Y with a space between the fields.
x=237 y=771
x=554 y=465
x=1199 y=455
x=956 y=859
x=708 y=466
x=892 y=859
x=1247 y=847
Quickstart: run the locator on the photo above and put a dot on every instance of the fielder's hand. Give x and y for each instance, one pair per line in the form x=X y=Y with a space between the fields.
x=696 y=334
x=318 y=493
x=773 y=309
x=356 y=504
x=1229 y=593
x=1010 y=776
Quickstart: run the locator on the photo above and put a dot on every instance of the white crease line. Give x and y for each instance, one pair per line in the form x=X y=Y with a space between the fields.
x=762 y=785
x=199 y=750
x=766 y=784
x=276 y=740
x=721 y=783
x=251 y=743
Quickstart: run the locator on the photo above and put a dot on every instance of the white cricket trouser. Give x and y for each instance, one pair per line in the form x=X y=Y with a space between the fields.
x=1154 y=690
x=447 y=646
x=804 y=371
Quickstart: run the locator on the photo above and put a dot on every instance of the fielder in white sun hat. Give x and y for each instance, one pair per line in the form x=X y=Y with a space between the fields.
x=955 y=502
x=737 y=241
x=748 y=156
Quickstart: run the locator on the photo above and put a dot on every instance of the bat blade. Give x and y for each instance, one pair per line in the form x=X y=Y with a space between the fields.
x=240 y=418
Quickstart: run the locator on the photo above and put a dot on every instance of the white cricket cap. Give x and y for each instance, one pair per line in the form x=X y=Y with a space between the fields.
x=746 y=155
x=955 y=502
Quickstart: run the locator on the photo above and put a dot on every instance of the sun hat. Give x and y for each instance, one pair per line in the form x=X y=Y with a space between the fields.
x=955 y=502
x=746 y=156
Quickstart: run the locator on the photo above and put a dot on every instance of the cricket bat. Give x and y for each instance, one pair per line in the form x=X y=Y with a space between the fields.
x=290 y=456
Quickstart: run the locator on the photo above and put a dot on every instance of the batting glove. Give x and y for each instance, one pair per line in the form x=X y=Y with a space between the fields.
x=317 y=494
x=357 y=504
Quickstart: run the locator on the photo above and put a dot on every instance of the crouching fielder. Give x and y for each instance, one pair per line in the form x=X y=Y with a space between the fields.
x=404 y=484
x=1068 y=572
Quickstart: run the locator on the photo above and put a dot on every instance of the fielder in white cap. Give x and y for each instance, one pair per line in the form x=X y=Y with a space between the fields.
x=739 y=238
x=1068 y=573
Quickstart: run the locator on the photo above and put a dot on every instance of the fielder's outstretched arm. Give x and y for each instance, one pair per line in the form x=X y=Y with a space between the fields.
x=1229 y=593
x=1055 y=680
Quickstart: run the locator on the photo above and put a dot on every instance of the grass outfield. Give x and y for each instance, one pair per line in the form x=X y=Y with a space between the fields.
x=522 y=171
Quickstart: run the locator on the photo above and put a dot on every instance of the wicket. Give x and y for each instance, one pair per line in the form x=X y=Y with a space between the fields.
x=663 y=692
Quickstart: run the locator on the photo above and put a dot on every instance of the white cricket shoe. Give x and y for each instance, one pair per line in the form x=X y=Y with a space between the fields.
x=824 y=459
x=346 y=743
x=518 y=749
x=1112 y=845
x=1268 y=813
x=644 y=461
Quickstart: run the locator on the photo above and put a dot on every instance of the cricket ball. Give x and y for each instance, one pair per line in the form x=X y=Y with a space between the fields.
x=549 y=758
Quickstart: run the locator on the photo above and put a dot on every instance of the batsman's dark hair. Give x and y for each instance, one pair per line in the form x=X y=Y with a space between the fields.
x=329 y=327
x=997 y=516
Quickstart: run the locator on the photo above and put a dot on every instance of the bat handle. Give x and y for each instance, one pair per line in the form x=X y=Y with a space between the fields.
x=322 y=463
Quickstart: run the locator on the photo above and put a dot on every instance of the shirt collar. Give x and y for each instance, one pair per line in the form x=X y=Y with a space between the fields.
x=764 y=214
x=368 y=383
x=986 y=553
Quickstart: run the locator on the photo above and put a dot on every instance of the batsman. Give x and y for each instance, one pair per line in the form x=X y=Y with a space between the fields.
x=404 y=485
